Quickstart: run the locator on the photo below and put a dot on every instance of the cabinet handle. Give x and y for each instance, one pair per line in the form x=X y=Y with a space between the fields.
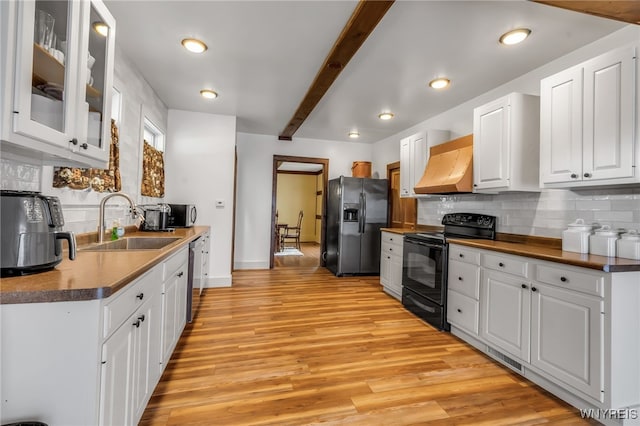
x=84 y=146
x=180 y=274
x=390 y=249
x=587 y=175
x=563 y=279
x=140 y=296
x=141 y=318
x=475 y=185
x=534 y=289
x=501 y=265
x=459 y=310
x=524 y=286
x=74 y=141
x=461 y=255
x=136 y=324
x=574 y=176
x=459 y=278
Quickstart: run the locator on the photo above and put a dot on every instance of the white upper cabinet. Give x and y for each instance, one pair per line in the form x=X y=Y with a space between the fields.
x=587 y=123
x=414 y=153
x=506 y=143
x=59 y=70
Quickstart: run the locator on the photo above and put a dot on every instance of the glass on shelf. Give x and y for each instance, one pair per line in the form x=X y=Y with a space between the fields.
x=48 y=73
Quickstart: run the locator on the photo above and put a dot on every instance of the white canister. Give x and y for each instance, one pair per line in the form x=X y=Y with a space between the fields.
x=603 y=242
x=629 y=245
x=576 y=237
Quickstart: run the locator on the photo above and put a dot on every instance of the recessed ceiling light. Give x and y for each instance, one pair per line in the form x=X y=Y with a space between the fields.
x=208 y=93
x=101 y=28
x=354 y=135
x=515 y=36
x=439 y=83
x=385 y=116
x=194 y=45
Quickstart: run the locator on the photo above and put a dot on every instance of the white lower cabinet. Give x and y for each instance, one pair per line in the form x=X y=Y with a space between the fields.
x=391 y=263
x=104 y=356
x=573 y=331
x=130 y=368
x=505 y=310
x=566 y=337
x=174 y=302
x=463 y=286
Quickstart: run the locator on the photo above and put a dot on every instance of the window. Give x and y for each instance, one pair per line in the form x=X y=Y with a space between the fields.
x=116 y=105
x=153 y=135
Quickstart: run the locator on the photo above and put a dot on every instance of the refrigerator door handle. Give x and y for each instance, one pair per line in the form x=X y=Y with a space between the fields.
x=363 y=211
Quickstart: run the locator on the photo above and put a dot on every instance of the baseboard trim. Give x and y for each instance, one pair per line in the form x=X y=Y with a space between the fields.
x=251 y=264
x=222 y=281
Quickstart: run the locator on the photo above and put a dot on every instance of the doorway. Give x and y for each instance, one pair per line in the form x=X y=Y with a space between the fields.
x=403 y=212
x=308 y=250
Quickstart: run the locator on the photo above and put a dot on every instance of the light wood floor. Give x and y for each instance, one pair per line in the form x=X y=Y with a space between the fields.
x=311 y=257
x=296 y=346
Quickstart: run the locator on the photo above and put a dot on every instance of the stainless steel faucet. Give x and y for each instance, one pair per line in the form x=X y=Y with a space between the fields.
x=101 y=225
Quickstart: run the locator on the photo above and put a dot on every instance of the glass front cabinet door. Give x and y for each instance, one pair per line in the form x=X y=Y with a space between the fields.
x=63 y=75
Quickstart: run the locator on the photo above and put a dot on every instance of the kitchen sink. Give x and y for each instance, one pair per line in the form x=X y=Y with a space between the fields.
x=133 y=243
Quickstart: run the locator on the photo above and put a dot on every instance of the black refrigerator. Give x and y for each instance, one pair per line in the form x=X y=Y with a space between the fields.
x=356 y=210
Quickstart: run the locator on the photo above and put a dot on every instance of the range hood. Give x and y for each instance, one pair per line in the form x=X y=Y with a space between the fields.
x=450 y=168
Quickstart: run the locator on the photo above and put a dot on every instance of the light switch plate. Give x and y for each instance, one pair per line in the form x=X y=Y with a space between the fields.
x=219 y=204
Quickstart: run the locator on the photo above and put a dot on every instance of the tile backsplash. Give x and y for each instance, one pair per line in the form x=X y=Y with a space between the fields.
x=543 y=214
x=19 y=176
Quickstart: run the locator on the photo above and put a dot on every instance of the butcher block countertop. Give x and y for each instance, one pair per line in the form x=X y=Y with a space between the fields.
x=93 y=274
x=552 y=252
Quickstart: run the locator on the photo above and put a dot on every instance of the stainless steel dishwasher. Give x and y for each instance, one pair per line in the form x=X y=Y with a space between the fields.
x=195 y=279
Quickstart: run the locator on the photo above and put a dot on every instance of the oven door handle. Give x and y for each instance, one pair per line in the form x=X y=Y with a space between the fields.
x=421 y=243
x=422 y=306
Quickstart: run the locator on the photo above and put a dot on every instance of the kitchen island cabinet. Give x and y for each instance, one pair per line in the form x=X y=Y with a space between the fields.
x=94 y=360
x=572 y=330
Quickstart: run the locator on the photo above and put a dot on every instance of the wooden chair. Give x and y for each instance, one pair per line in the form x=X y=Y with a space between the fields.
x=277 y=234
x=292 y=233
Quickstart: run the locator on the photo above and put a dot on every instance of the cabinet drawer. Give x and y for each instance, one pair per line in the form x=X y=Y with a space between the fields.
x=130 y=298
x=392 y=249
x=462 y=311
x=510 y=265
x=464 y=255
x=171 y=265
x=464 y=278
x=391 y=238
x=571 y=279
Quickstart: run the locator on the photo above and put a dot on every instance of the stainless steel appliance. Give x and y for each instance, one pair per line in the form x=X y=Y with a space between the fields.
x=31 y=226
x=195 y=281
x=425 y=264
x=356 y=210
x=182 y=215
x=156 y=217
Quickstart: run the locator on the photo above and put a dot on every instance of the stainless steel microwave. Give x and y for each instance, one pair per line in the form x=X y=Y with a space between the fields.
x=182 y=215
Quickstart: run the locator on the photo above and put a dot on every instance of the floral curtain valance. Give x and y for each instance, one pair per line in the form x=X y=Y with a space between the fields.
x=99 y=180
x=152 y=172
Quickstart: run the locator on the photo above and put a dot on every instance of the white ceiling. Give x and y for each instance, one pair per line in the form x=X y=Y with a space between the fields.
x=263 y=55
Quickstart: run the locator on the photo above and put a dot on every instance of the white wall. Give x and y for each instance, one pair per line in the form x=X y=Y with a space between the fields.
x=546 y=213
x=255 y=164
x=200 y=157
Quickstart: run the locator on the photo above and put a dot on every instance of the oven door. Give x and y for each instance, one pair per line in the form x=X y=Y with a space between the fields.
x=424 y=269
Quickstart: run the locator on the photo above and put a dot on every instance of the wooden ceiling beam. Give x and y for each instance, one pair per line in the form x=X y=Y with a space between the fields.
x=620 y=10
x=364 y=19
